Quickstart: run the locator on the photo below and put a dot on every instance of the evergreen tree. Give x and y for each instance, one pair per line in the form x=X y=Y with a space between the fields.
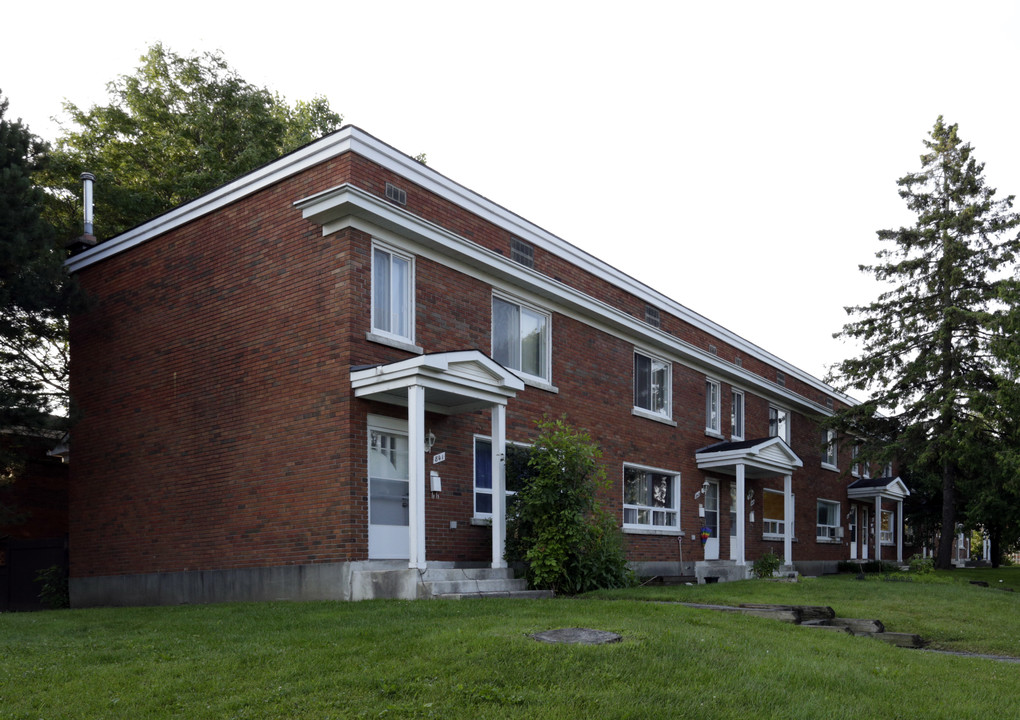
x=925 y=343
x=178 y=127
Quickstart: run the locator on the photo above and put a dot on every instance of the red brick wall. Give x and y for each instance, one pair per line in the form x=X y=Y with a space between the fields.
x=218 y=430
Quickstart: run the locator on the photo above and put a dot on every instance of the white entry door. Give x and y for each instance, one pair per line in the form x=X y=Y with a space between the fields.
x=865 y=533
x=853 y=532
x=712 y=520
x=733 y=520
x=388 y=490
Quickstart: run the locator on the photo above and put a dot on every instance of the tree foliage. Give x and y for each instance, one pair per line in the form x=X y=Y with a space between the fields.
x=35 y=291
x=926 y=357
x=175 y=129
x=555 y=522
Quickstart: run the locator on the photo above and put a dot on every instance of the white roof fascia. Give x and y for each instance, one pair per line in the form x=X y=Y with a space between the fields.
x=351 y=138
x=334 y=208
x=290 y=164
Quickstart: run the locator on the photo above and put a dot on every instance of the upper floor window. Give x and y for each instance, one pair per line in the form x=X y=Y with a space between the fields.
x=520 y=337
x=650 y=498
x=392 y=293
x=713 y=407
x=652 y=384
x=829 y=454
x=737 y=416
x=855 y=467
x=779 y=423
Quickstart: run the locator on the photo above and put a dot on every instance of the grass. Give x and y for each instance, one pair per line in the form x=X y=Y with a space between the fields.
x=475 y=659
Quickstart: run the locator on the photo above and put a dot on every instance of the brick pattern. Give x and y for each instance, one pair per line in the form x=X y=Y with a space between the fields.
x=218 y=429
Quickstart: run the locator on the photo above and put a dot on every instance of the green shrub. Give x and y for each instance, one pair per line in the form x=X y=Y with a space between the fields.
x=922 y=565
x=54 y=592
x=767 y=565
x=555 y=524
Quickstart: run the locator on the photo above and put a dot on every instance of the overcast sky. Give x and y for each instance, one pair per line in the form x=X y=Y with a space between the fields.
x=737 y=157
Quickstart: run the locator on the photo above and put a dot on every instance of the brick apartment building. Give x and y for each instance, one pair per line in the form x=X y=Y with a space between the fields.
x=292 y=386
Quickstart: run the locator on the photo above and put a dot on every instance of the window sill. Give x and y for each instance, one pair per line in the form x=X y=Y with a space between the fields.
x=776 y=538
x=636 y=530
x=714 y=434
x=649 y=415
x=539 y=383
x=828 y=541
x=481 y=521
x=826 y=466
x=394 y=342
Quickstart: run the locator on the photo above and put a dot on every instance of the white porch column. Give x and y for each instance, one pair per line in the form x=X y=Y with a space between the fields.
x=741 y=523
x=416 y=476
x=899 y=531
x=498 y=485
x=878 y=528
x=788 y=520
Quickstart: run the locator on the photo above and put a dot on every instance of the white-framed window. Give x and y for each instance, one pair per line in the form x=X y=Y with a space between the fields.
x=651 y=498
x=855 y=467
x=828 y=528
x=652 y=384
x=520 y=337
x=713 y=407
x=887 y=470
x=830 y=457
x=773 y=511
x=888 y=537
x=392 y=293
x=737 y=416
x=779 y=423
x=516 y=469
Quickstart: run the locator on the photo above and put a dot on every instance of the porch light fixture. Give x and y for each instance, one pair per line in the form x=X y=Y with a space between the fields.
x=430 y=440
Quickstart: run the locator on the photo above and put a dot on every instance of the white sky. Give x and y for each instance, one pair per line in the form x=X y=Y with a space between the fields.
x=736 y=156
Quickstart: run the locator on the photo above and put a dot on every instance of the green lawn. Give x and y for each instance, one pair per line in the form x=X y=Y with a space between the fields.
x=475 y=659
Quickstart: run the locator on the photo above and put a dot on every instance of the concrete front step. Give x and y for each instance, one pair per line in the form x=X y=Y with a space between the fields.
x=518 y=594
x=444 y=581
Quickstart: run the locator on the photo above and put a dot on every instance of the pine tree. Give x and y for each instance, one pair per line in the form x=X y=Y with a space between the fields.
x=925 y=343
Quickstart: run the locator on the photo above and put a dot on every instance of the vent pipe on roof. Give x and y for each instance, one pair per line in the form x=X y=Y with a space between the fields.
x=87 y=239
x=88 y=178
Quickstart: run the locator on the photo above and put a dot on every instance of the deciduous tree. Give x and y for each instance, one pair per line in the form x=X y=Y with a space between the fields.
x=176 y=128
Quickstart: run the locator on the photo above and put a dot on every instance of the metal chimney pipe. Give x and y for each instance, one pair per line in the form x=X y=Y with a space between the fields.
x=88 y=178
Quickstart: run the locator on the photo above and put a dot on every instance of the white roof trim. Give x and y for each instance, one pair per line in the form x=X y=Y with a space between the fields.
x=334 y=208
x=351 y=138
x=771 y=455
x=895 y=489
x=454 y=382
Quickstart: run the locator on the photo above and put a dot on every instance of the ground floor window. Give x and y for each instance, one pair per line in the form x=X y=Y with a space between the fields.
x=888 y=537
x=516 y=473
x=650 y=498
x=774 y=514
x=828 y=520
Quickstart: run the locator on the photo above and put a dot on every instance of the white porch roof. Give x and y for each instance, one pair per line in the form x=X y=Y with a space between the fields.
x=454 y=382
x=886 y=488
x=765 y=457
